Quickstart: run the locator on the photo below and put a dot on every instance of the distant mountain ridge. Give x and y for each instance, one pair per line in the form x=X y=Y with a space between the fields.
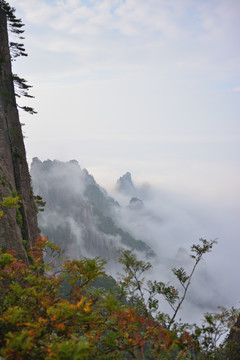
x=79 y=214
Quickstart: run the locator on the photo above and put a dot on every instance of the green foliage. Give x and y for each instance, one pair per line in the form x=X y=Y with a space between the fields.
x=39 y=203
x=9 y=202
x=16 y=49
x=215 y=326
x=15 y=23
x=91 y=322
x=19 y=219
x=133 y=284
x=3 y=180
x=197 y=252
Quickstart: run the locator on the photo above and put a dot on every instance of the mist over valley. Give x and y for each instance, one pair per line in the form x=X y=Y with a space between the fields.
x=160 y=227
x=126 y=243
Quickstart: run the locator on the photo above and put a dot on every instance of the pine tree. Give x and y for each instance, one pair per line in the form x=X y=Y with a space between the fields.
x=18 y=224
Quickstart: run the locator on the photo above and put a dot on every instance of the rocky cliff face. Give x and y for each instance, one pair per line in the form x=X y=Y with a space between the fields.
x=79 y=214
x=14 y=175
x=125 y=185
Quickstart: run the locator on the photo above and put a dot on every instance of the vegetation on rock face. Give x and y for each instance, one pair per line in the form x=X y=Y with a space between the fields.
x=18 y=225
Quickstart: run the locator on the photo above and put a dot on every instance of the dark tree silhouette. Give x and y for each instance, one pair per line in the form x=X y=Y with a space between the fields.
x=18 y=226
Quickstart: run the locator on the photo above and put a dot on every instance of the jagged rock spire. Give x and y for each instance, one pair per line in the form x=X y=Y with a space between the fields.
x=125 y=185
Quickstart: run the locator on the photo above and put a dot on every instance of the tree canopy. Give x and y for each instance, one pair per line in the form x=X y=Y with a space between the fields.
x=15 y=26
x=57 y=310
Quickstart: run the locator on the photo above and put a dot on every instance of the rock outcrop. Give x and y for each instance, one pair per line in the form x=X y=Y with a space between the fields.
x=79 y=215
x=125 y=185
x=21 y=224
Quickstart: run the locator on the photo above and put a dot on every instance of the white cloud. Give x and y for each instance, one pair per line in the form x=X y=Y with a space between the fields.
x=34 y=11
x=199 y=36
x=138 y=84
x=237 y=88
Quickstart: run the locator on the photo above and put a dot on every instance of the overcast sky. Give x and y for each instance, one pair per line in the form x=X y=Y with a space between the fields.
x=146 y=86
x=149 y=86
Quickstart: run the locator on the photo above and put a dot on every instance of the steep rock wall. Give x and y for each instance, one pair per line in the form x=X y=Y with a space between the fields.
x=14 y=174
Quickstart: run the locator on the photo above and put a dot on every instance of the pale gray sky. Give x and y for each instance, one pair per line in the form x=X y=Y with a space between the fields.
x=146 y=86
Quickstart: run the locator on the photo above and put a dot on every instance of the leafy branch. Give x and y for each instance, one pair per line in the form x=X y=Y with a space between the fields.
x=146 y=298
x=16 y=49
x=185 y=280
x=47 y=315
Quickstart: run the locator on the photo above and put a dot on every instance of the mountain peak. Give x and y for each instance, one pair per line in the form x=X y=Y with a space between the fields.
x=125 y=184
x=136 y=203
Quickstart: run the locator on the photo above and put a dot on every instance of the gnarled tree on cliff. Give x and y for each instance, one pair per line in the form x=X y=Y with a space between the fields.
x=18 y=226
